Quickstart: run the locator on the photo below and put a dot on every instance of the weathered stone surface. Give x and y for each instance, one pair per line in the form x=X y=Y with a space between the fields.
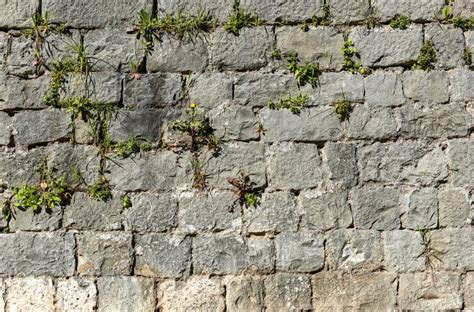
x=454 y=248
x=459 y=152
x=463 y=8
x=249 y=50
x=293 y=166
x=17 y=13
x=430 y=291
x=277 y=212
x=468 y=291
x=76 y=294
x=376 y=208
x=299 y=252
x=233 y=122
x=337 y=86
x=349 y=11
x=144 y=123
x=208 y=212
x=354 y=250
x=35 y=127
x=16 y=93
x=174 y=55
x=319 y=44
x=420 y=209
x=385 y=46
x=398 y=162
x=151 y=213
x=211 y=90
x=27 y=220
x=370 y=292
x=195 y=294
x=324 y=211
x=426 y=86
x=403 y=251
x=37 y=254
x=152 y=91
x=30 y=294
x=2 y=294
x=160 y=255
x=420 y=120
x=104 y=253
x=341 y=160
x=85 y=213
x=255 y=89
x=216 y=9
x=84 y=14
x=3 y=47
x=5 y=131
x=231 y=255
x=285 y=292
x=372 y=123
x=454 y=207
x=244 y=294
x=416 y=10
x=101 y=86
x=121 y=293
x=461 y=84
x=315 y=124
x=286 y=10
x=449 y=45
x=384 y=89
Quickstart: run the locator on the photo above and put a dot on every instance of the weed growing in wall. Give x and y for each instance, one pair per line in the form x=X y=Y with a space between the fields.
x=352 y=62
x=426 y=58
x=248 y=195
x=131 y=146
x=125 y=201
x=293 y=103
x=240 y=18
x=400 y=22
x=325 y=19
x=429 y=254
x=448 y=17
x=307 y=73
x=342 y=108
x=468 y=56
x=372 y=21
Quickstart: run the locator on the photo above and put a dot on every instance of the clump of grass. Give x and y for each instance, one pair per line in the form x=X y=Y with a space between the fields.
x=131 y=146
x=448 y=17
x=426 y=58
x=240 y=18
x=372 y=21
x=307 y=73
x=400 y=22
x=100 y=190
x=293 y=103
x=343 y=108
x=468 y=56
x=350 y=53
x=125 y=201
x=248 y=195
x=325 y=20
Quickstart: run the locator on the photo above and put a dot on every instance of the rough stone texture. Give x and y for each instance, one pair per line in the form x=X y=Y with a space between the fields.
x=430 y=291
x=341 y=161
x=372 y=292
x=30 y=294
x=318 y=44
x=16 y=93
x=215 y=8
x=420 y=209
x=162 y=256
x=402 y=250
x=376 y=208
x=231 y=255
x=5 y=131
x=293 y=166
x=461 y=80
x=385 y=46
x=196 y=294
x=372 y=123
x=322 y=212
x=211 y=90
x=349 y=11
x=122 y=293
x=449 y=45
x=104 y=253
x=468 y=291
x=454 y=207
x=354 y=250
x=103 y=86
x=37 y=254
x=459 y=151
x=285 y=292
x=384 y=90
x=235 y=123
x=425 y=86
x=337 y=86
x=244 y=294
x=144 y=123
x=416 y=10
x=299 y=252
x=17 y=13
x=27 y=220
x=285 y=10
x=454 y=248
x=152 y=91
x=76 y=294
x=2 y=294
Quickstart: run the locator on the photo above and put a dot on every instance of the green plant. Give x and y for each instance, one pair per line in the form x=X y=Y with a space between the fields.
x=126 y=201
x=342 y=108
x=293 y=103
x=468 y=56
x=349 y=53
x=248 y=195
x=325 y=20
x=276 y=54
x=431 y=255
x=307 y=73
x=372 y=21
x=100 y=190
x=400 y=22
x=240 y=18
x=131 y=146
x=447 y=16
x=426 y=58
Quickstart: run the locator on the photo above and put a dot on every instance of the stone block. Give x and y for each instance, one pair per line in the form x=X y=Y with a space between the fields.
x=468 y=291
x=17 y=93
x=354 y=250
x=232 y=122
x=284 y=292
x=211 y=90
x=420 y=210
x=336 y=86
x=384 y=46
x=403 y=251
x=454 y=207
x=123 y=293
x=461 y=161
x=454 y=248
x=461 y=82
x=162 y=255
x=27 y=220
x=384 y=89
x=431 y=86
x=372 y=123
x=448 y=43
x=369 y=292
x=376 y=207
x=76 y=295
x=244 y=294
x=5 y=131
x=416 y=10
x=104 y=253
x=37 y=254
x=151 y=213
x=299 y=252
x=30 y=294
x=293 y=166
x=17 y=13
x=284 y=10
x=341 y=160
x=101 y=86
x=216 y=9
x=349 y=11
x=143 y=123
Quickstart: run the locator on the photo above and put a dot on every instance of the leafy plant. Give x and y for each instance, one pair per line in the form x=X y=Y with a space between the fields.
x=372 y=21
x=240 y=18
x=100 y=190
x=307 y=73
x=248 y=195
x=468 y=56
x=276 y=54
x=293 y=103
x=447 y=16
x=430 y=254
x=126 y=201
x=426 y=58
x=131 y=146
x=350 y=52
x=400 y=22
x=325 y=20
x=342 y=108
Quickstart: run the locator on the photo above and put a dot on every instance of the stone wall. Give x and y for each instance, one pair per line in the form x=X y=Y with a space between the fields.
x=369 y=213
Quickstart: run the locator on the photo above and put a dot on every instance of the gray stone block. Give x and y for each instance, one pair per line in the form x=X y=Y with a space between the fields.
x=104 y=253
x=299 y=252
x=431 y=86
x=162 y=255
x=461 y=85
x=5 y=132
x=152 y=91
x=448 y=43
x=468 y=291
x=403 y=251
x=341 y=160
x=143 y=123
x=16 y=93
x=287 y=292
x=372 y=123
x=461 y=161
x=233 y=122
x=285 y=10
x=382 y=47
x=384 y=89
x=101 y=86
x=454 y=207
x=37 y=254
x=454 y=248
x=123 y=293
x=349 y=11
x=76 y=294
x=337 y=86
x=244 y=294
x=420 y=209
x=217 y=9
x=27 y=220
x=17 y=13
x=210 y=90
x=30 y=294
x=416 y=10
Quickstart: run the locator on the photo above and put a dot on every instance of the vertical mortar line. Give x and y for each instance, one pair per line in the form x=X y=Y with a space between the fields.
x=39 y=8
x=154 y=8
x=133 y=254
x=96 y=285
